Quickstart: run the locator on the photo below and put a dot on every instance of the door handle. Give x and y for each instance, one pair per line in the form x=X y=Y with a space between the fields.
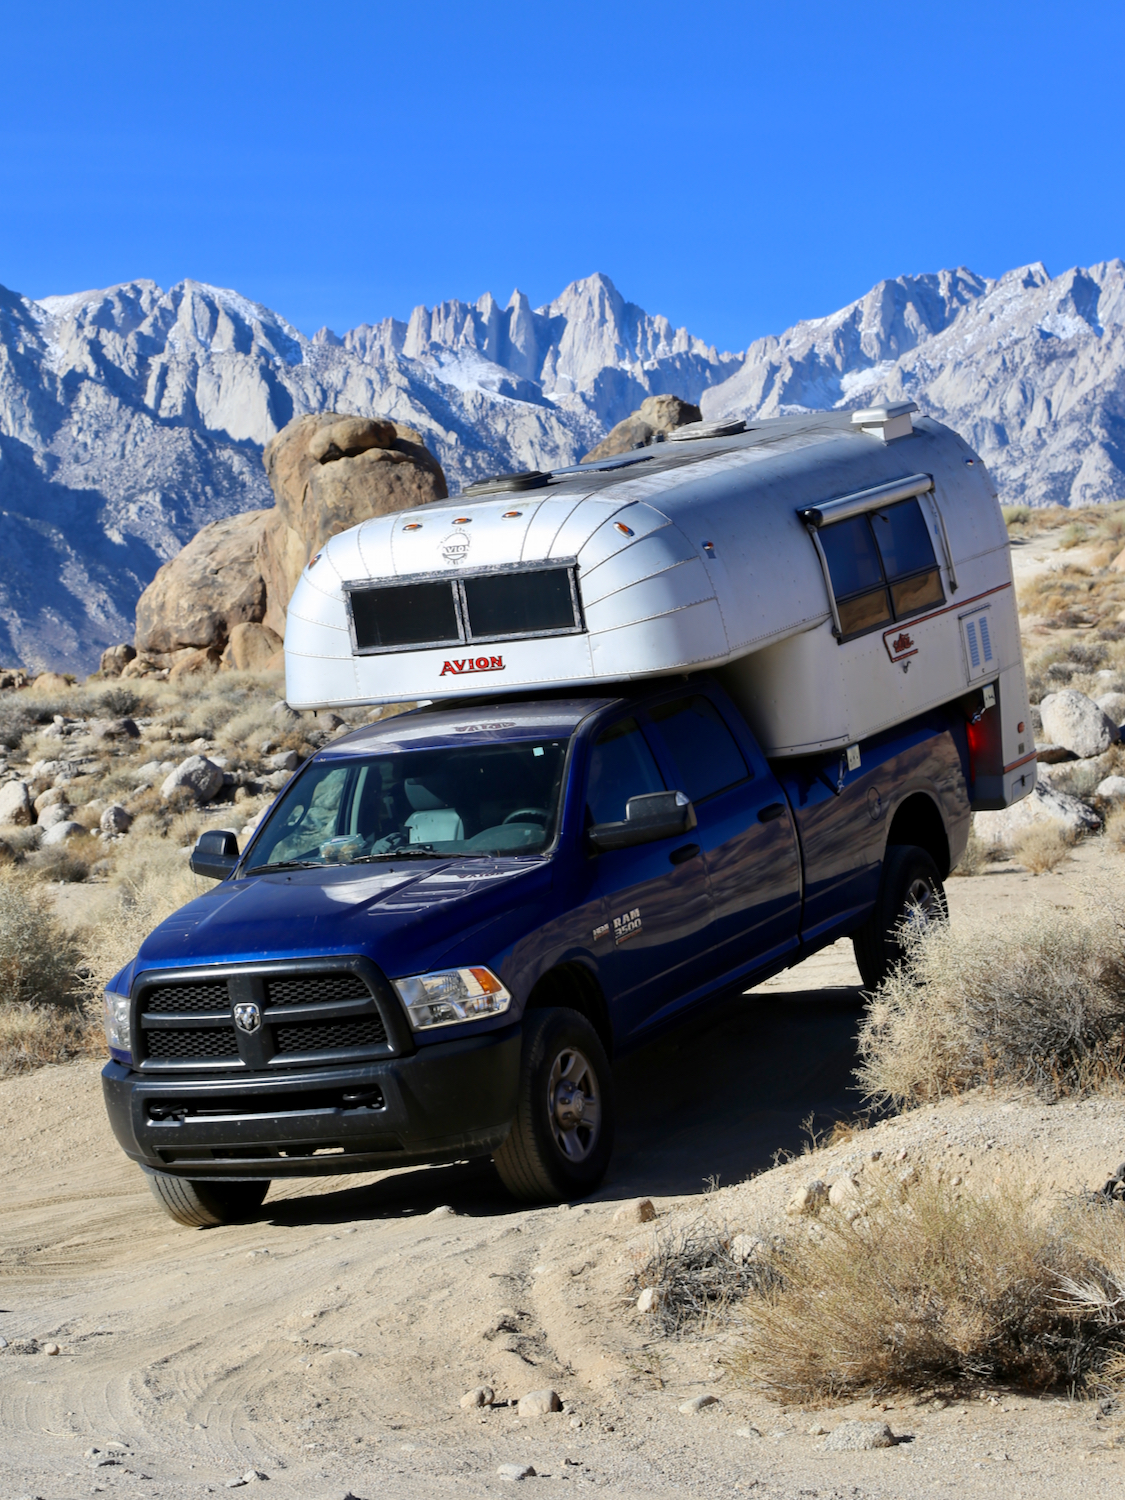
x=770 y=811
x=683 y=854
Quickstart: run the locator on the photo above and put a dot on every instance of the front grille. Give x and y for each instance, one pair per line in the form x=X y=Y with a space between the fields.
x=190 y=1044
x=170 y=998
x=363 y=1032
x=316 y=989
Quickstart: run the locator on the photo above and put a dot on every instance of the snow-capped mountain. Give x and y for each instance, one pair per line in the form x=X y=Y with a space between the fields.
x=1029 y=369
x=130 y=417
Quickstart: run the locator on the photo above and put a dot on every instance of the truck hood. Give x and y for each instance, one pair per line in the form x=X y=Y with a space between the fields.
x=403 y=917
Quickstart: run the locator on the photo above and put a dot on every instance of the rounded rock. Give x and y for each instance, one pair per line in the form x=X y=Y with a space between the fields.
x=1072 y=719
x=15 y=804
x=482 y=1395
x=115 y=819
x=1112 y=789
x=55 y=812
x=856 y=1436
x=699 y=1404
x=51 y=1349
x=639 y=1211
x=649 y=1300
x=200 y=776
x=539 y=1404
x=58 y=833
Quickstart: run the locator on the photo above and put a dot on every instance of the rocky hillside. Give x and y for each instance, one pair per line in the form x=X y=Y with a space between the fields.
x=132 y=417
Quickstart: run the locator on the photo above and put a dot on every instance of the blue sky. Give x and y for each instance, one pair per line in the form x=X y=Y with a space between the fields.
x=736 y=167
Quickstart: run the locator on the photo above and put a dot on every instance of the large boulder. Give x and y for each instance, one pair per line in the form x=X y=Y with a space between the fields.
x=656 y=414
x=1045 y=804
x=330 y=472
x=1075 y=721
x=198 y=775
x=15 y=805
x=211 y=585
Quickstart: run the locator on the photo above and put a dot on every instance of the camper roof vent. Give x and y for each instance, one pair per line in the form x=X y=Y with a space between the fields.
x=533 y=479
x=705 y=430
x=886 y=422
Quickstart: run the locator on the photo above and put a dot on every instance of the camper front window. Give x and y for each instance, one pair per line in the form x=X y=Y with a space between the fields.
x=882 y=567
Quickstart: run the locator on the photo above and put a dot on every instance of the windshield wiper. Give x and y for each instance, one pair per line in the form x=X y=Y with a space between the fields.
x=409 y=851
x=286 y=864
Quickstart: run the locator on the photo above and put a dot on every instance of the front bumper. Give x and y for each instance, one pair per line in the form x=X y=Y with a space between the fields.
x=445 y=1101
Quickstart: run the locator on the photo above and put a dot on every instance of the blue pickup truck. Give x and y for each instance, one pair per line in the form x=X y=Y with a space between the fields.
x=454 y=920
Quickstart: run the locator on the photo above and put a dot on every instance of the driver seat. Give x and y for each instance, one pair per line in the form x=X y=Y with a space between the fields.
x=432 y=820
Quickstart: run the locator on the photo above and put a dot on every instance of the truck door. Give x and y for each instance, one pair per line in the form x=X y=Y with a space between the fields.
x=657 y=905
x=745 y=829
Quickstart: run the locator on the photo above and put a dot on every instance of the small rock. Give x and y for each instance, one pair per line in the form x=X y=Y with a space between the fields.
x=1113 y=706
x=747 y=1432
x=326 y=719
x=859 y=1435
x=58 y=833
x=649 y=1300
x=115 y=819
x=1112 y=789
x=253 y=1475
x=639 y=1211
x=698 y=1404
x=809 y=1199
x=744 y=1247
x=843 y=1191
x=57 y=812
x=285 y=760
x=198 y=775
x=818 y=1430
x=539 y=1403
x=51 y=1349
x=482 y=1395
x=48 y=798
x=516 y=1471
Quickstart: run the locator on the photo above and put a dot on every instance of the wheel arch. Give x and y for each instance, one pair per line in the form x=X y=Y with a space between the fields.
x=918 y=820
x=572 y=984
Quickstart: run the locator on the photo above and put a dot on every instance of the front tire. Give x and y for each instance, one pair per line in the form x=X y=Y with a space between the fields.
x=205 y=1205
x=911 y=894
x=562 y=1131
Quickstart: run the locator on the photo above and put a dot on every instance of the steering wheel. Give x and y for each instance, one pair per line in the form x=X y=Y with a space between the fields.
x=521 y=814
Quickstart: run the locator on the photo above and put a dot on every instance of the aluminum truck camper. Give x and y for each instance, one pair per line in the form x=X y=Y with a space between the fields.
x=685 y=717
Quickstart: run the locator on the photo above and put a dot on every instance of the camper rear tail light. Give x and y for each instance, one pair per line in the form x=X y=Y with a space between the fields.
x=449 y=996
x=117 y=1028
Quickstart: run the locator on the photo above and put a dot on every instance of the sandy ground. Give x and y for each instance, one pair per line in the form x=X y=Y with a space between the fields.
x=328 y=1344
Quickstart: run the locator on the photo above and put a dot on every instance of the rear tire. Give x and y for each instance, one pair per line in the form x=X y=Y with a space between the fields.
x=562 y=1131
x=205 y=1205
x=910 y=893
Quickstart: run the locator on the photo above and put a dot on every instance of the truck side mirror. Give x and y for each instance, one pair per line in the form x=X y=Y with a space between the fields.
x=653 y=816
x=215 y=853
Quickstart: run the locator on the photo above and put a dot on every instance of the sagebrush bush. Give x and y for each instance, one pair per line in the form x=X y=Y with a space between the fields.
x=42 y=1018
x=1038 y=1001
x=930 y=1285
x=1041 y=847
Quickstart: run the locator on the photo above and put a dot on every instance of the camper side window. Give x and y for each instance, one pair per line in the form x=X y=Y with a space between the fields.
x=882 y=566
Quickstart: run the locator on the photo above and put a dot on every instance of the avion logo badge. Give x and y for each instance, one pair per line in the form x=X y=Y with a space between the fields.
x=472 y=664
x=899 y=643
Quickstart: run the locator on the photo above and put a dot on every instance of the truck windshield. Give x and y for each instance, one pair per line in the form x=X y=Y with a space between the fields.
x=468 y=800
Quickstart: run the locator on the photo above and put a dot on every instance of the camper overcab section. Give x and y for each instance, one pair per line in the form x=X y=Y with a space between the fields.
x=684 y=717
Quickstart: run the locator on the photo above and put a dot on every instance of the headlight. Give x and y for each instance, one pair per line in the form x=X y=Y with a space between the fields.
x=452 y=995
x=117 y=1032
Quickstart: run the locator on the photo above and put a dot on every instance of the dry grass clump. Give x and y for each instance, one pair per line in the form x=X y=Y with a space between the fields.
x=930 y=1285
x=1115 y=830
x=978 y=855
x=1039 y=1002
x=1041 y=847
x=42 y=1018
x=696 y=1276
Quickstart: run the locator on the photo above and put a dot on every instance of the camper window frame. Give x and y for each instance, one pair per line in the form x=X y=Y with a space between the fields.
x=456 y=583
x=852 y=507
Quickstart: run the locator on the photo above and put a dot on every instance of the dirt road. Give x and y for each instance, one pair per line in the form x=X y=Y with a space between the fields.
x=327 y=1346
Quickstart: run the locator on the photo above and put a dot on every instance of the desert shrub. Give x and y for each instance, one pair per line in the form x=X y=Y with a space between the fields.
x=928 y=1285
x=70 y=862
x=1039 y=1002
x=1041 y=847
x=119 y=701
x=695 y=1276
x=978 y=855
x=1016 y=515
x=42 y=1018
x=1115 y=830
x=1073 y=535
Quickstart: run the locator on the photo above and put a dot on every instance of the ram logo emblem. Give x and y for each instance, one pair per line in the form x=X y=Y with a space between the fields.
x=248 y=1018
